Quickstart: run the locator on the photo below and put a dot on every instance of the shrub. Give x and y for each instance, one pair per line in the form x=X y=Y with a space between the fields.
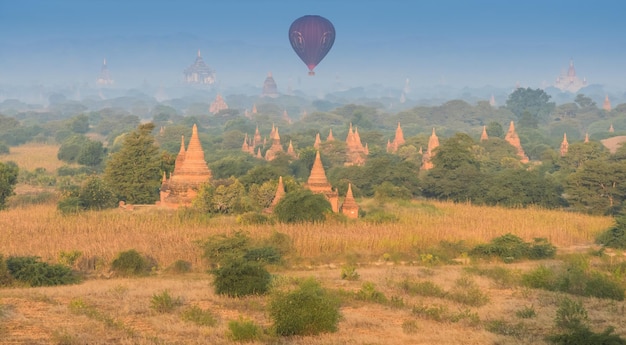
x=423 y=288
x=70 y=205
x=504 y=328
x=69 y=258
x=526 y=312
x=349 y=273
x=467 y=292
x=511 y=248
x=5 y=275
x=244 y=330
x=267 y=255
x=4 y=149
x=164 y=303
x=369 y=293
x=601 y=286
x=302 y=206
x=199 y=316
x=180 y=266
x=380 y=217
x=571 y=315
x=253 y=218
x=29 y=270
x=435 y=313
x=239 y=277
x=541 y=277
x=130 y=263
x=615 y=237
x=308 y=310
x=409 y=326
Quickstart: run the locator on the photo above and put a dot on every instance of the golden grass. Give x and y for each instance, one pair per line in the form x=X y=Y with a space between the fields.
x=166 y=236
x=33 y=155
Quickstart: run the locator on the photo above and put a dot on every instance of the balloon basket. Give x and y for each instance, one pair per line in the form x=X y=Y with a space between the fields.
x=311 y=73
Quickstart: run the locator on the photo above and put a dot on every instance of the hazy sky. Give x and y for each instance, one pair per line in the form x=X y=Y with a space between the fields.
x=457 y=43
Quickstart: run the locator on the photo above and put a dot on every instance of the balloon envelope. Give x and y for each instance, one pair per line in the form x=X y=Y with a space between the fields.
x=311 y=38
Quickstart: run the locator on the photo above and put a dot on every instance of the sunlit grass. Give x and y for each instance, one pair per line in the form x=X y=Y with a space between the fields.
x=33 y=155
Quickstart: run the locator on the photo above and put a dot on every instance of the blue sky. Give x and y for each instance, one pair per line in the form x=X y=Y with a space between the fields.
x=457 y=43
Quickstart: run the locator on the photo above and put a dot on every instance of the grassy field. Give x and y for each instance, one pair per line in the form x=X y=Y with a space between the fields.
x=105 y=309
x=33 y=155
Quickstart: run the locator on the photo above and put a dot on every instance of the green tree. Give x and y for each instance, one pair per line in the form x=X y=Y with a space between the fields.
x=598 y=187
x=456 y=172
x=71 y=148
x=134 y=171
x=96 y=195
x=495 y=130
x=91 y=154
x=302 y=206
x=535 y=102
x=79 y=124
x=8 y=180
x=520 y=187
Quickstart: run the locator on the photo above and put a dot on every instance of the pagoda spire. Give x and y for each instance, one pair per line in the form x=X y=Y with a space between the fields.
x=607 y=103
x=586 y=137
x=180 y=158
x=330 y=135
x=564 y=145
x=484 y=135
x=350 y=207
x=318 y=141
x=399 y=139
x=280 y=191
x=318 y=183
x=513 y=139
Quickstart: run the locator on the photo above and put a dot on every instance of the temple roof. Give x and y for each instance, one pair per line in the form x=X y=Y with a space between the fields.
x=317 y=180
x=280 y=191
x=483 y=135
x=564 y=145
x=199 y=72
x=513 y=139
x=317 y=142
x=269 y=87
x=330 y=135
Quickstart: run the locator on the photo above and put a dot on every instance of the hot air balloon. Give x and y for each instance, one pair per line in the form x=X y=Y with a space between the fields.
x=311 y=38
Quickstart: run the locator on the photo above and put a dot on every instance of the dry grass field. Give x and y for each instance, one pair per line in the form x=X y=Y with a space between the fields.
x=105 y=309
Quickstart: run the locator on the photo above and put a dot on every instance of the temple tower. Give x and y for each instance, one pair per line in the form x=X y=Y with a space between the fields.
x=355 y=150
x=607 y=104
x=349 y=207
x=317 y=183
x=105 y=76
x=398 y=140
x=190 y=172
x=317 y=141
x=330 y=135
x=199 y=72
x=564 y=145
x=269 y=87
x=513 y=139
x=483 y=135
x=218 y=104
x=280 y=192
x=276 y=147
x=433 y=143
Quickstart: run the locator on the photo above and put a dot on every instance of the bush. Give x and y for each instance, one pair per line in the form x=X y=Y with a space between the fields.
x=70 y=205
x=308 y=310
x=254 y=218
x=369 y=293
x=244 y=330
x=29 y=270
x=349 y=273
x=130 y=263
x=614 y=237
x=199 y=316
x=4 y=149
x=239 y=277
x=164 y=303
x=5 y=275
x=380 y=217
x=511 y=248
x=180 y=266
x=302 y=206
x=526 y=312
x=423 y=288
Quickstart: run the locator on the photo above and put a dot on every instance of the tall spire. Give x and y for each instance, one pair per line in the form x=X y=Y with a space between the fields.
x=564 y=145
x=330 y=135
x=180 y=158
x=317 y=183
x=513 y=139
x=484 y=135
x=433 y=143
x=350 y=207
x=399 y=139
x=607 y=103
x=280 y=191
x=318 y=141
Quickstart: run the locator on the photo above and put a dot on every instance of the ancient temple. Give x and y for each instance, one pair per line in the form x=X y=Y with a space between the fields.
x=218 y=104
x=568 y=81
x=433 y=143
x=317 y=183
x=199 y=72
x=513 y=139
x=349 y=207
x=564 y=145
x=586 y=137
x=607 y=104
x=492 y=101
x=257 y=137
x=269 y=87
x=190 y=172
x=398 y=140
x=276 y=147
x=330 y=136
x=483 y=135
x=355 y=150
x=611 y=129
x=317 y=141
x=290 y=151
x=280 y=193
x=105 y=76
x=286 y=117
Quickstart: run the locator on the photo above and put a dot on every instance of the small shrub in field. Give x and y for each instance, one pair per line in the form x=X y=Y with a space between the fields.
x=571 y=318
x=130 y=263
x=380 y=217
x=244 y=330
x=601 y=286
x=164 y=303
x=266 y=255
x=409 y=326
x=422 y=288
x=239 y=277
x=69 y=258
x=29 y=270
x=615 y=237
x=511 y=248
x=253 y=218
x=435 y=313
x=468 y=293
x=70 y=205
x=541 y=277
x=504 y=328
x=369 y=293
x=571 y=315
x=349 y=273
x=5 y=275
x=308 y=310
x=180 y=266
x=199 y=316
x=526 y=312
x=502 y=277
